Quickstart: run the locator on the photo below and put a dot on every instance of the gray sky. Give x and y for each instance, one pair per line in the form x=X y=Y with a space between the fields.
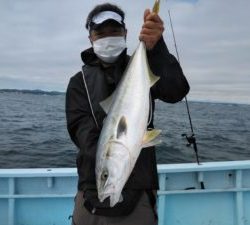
x=41 y=41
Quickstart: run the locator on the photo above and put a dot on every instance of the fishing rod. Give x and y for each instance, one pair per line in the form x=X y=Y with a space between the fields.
x=190 y=138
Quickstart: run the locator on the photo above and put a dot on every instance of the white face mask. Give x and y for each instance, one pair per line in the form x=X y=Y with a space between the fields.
x=109 y=48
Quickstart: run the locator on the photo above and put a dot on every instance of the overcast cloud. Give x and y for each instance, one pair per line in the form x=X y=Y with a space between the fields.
x=41 y=43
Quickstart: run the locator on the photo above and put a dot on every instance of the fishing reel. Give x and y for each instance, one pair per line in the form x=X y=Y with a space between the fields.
x=190 y=139
x=192 y=142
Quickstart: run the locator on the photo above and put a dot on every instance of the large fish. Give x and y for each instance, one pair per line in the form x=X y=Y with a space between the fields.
x=124 y=132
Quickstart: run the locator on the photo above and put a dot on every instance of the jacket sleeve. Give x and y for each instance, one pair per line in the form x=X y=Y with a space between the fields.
x=80 y=123
x=172 y=85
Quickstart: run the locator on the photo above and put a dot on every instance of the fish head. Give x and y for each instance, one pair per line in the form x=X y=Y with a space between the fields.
x=114 y=173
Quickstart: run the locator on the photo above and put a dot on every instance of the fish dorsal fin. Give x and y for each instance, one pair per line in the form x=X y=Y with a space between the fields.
x=149 y=138
x=106 y=104
x=153 y=79
x=122 y=127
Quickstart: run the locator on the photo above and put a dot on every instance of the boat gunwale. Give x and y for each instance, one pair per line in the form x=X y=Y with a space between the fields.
x=162 y=168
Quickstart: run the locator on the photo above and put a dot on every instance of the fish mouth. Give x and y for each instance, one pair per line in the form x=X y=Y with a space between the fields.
x=105 y=192
x=107 y=195
x=110 y=193
x=113 y=199
x=103 y=196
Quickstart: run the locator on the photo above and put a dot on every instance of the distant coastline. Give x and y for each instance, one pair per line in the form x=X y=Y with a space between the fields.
x=54 y=93
x=35 y=91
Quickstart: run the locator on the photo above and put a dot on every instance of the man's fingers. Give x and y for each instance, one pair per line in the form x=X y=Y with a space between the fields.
x=146 y=13
x=153 y=32
x=153 y=17
x=148 y=38
x=153 y=26
x=152 y=29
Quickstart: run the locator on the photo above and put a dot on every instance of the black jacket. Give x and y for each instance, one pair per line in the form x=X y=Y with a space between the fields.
x=101 y=82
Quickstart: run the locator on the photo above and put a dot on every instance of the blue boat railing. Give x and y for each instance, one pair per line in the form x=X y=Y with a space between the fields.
x=37 y=196
x=216 y=193
x=212 y=193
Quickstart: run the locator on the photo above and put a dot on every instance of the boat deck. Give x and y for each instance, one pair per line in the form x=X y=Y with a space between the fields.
x=216 y=193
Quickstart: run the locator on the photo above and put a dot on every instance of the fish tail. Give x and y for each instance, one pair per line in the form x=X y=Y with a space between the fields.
x=156 y=6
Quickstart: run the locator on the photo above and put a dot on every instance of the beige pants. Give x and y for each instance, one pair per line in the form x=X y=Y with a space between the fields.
x=143 y=214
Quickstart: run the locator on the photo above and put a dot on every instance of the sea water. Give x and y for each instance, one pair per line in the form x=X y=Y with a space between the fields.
x=33 y=132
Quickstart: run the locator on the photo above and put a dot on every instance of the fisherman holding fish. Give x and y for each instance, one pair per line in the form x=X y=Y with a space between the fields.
x=109 y=111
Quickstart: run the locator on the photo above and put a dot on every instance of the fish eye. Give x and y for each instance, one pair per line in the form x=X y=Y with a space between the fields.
x=104 y=175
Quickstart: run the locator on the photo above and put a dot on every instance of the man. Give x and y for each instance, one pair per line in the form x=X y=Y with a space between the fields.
x=104 y=64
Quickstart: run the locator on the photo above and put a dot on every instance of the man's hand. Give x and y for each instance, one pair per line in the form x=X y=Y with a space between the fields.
x=152 y=29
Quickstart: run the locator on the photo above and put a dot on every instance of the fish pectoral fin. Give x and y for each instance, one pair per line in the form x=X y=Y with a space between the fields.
x=149 y=138
x=150 y=135
x=106 y=104
x=152 y=143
